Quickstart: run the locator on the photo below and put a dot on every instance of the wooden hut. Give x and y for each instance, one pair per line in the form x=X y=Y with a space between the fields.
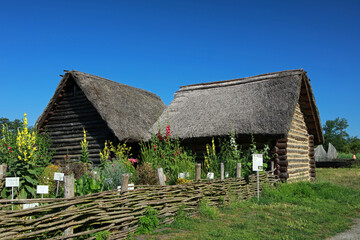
x=278 y=108
x=107 y=110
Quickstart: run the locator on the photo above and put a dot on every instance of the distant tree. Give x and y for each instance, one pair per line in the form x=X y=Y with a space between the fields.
x=335 y=133
x=353 y=145
x=12 y=125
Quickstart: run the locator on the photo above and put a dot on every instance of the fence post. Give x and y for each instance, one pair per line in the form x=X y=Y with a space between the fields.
x=222 y=171
x=161 y=177
x=2 y=170
x=198 y=172
x=69 y=192
x=124 y=182
x=238 y=170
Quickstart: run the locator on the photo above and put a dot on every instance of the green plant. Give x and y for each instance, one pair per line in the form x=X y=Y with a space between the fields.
x=26 y=154
x=112 y=173
x=165 y=151
x=149 y=221
x=47 y=178
x=84 y=157
x=211 y=212
x=102 y=235
x=88 y=185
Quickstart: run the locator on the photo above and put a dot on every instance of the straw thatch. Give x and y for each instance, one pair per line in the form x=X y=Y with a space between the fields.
x=129 y=112
x=263 y=104
x=107 y=110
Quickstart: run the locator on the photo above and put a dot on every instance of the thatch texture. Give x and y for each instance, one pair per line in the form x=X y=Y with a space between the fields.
x=263 y=104
x=129 y=112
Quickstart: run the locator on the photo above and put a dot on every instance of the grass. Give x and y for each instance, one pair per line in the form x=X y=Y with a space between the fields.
x=346 y=177
x=291 y=211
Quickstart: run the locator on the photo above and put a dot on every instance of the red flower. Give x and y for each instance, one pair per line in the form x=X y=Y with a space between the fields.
x=159 y=136
x=168 y=132
x=155 y=147
x=40 y=156
x=66 y=156
x=5 y=144
x=10 y=151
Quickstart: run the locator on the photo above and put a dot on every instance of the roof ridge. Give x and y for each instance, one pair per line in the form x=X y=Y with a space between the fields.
x=236 y=81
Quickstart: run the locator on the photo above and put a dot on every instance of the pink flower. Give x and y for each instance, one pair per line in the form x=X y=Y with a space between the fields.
x=132 y=160
x=9 y=148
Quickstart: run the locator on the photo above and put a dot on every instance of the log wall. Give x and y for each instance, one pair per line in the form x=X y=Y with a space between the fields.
x=298 y=148
x=72 y=113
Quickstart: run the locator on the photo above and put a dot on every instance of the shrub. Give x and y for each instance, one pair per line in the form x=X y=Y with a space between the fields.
x=112 y=172
x=146 y=174
x=149 y=221
x=47 y=178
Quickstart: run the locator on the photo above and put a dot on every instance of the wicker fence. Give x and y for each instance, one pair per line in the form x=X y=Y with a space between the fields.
x=115 y=211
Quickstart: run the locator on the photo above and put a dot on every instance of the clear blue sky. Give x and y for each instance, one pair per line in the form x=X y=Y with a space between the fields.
x=161 y=45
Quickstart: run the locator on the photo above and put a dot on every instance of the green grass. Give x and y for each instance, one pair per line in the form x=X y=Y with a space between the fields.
x=346 y=177
x=291 y=211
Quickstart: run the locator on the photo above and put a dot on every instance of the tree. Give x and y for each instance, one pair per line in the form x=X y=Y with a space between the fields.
x=12 y=125
x=335 y=133
x=353 y=145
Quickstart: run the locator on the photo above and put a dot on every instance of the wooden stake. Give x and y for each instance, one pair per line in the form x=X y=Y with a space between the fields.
x=161 y=177
x=238 y=170
x=221 y=171
x=2 y=170
x=198 y=172
x=69 y=192
x=124 y=182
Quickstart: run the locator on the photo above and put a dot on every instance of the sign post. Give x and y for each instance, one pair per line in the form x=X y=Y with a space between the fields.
x=257 y=166
x=58 y=177
x=42 y=189
x=12 y=182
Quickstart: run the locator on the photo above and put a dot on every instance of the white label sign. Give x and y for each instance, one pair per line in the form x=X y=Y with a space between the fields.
x=58 y=176
x=12 y=182
x=257 y=162
x=181 y=175
x=131 y=186
x=210 y=175
x=30 y=205
x=42 y=189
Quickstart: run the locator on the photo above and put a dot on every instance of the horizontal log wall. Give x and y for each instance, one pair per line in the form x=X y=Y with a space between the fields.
x=73 y=112
x=117 y=212
x=298 y=148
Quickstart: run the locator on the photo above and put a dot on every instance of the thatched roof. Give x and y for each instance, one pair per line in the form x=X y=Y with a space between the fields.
x=262 y=104
x=129 y=112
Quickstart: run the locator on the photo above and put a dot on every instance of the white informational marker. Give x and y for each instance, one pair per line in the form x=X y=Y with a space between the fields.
x=184 y=175
x=12 y=182
x=58 y=177
x=42 y=189
x=257 y=162
x=210 y=175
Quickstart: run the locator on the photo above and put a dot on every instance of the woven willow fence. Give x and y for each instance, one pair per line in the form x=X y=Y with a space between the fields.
x=115 y=211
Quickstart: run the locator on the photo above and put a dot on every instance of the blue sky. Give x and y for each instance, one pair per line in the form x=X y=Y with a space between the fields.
x=161 y=45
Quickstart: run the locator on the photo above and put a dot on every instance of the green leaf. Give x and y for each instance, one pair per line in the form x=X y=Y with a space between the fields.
x=30 y=190
x=30 y=180
x=32 y=171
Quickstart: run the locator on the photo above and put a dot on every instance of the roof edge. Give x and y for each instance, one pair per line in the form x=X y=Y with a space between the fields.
x=236 y=81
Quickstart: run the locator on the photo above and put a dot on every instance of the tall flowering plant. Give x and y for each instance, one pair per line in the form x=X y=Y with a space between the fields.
x=27 y=154
x=165 y=151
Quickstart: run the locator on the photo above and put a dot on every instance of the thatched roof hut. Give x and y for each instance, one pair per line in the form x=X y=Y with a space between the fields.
x=107 y=110
x=274 y=106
